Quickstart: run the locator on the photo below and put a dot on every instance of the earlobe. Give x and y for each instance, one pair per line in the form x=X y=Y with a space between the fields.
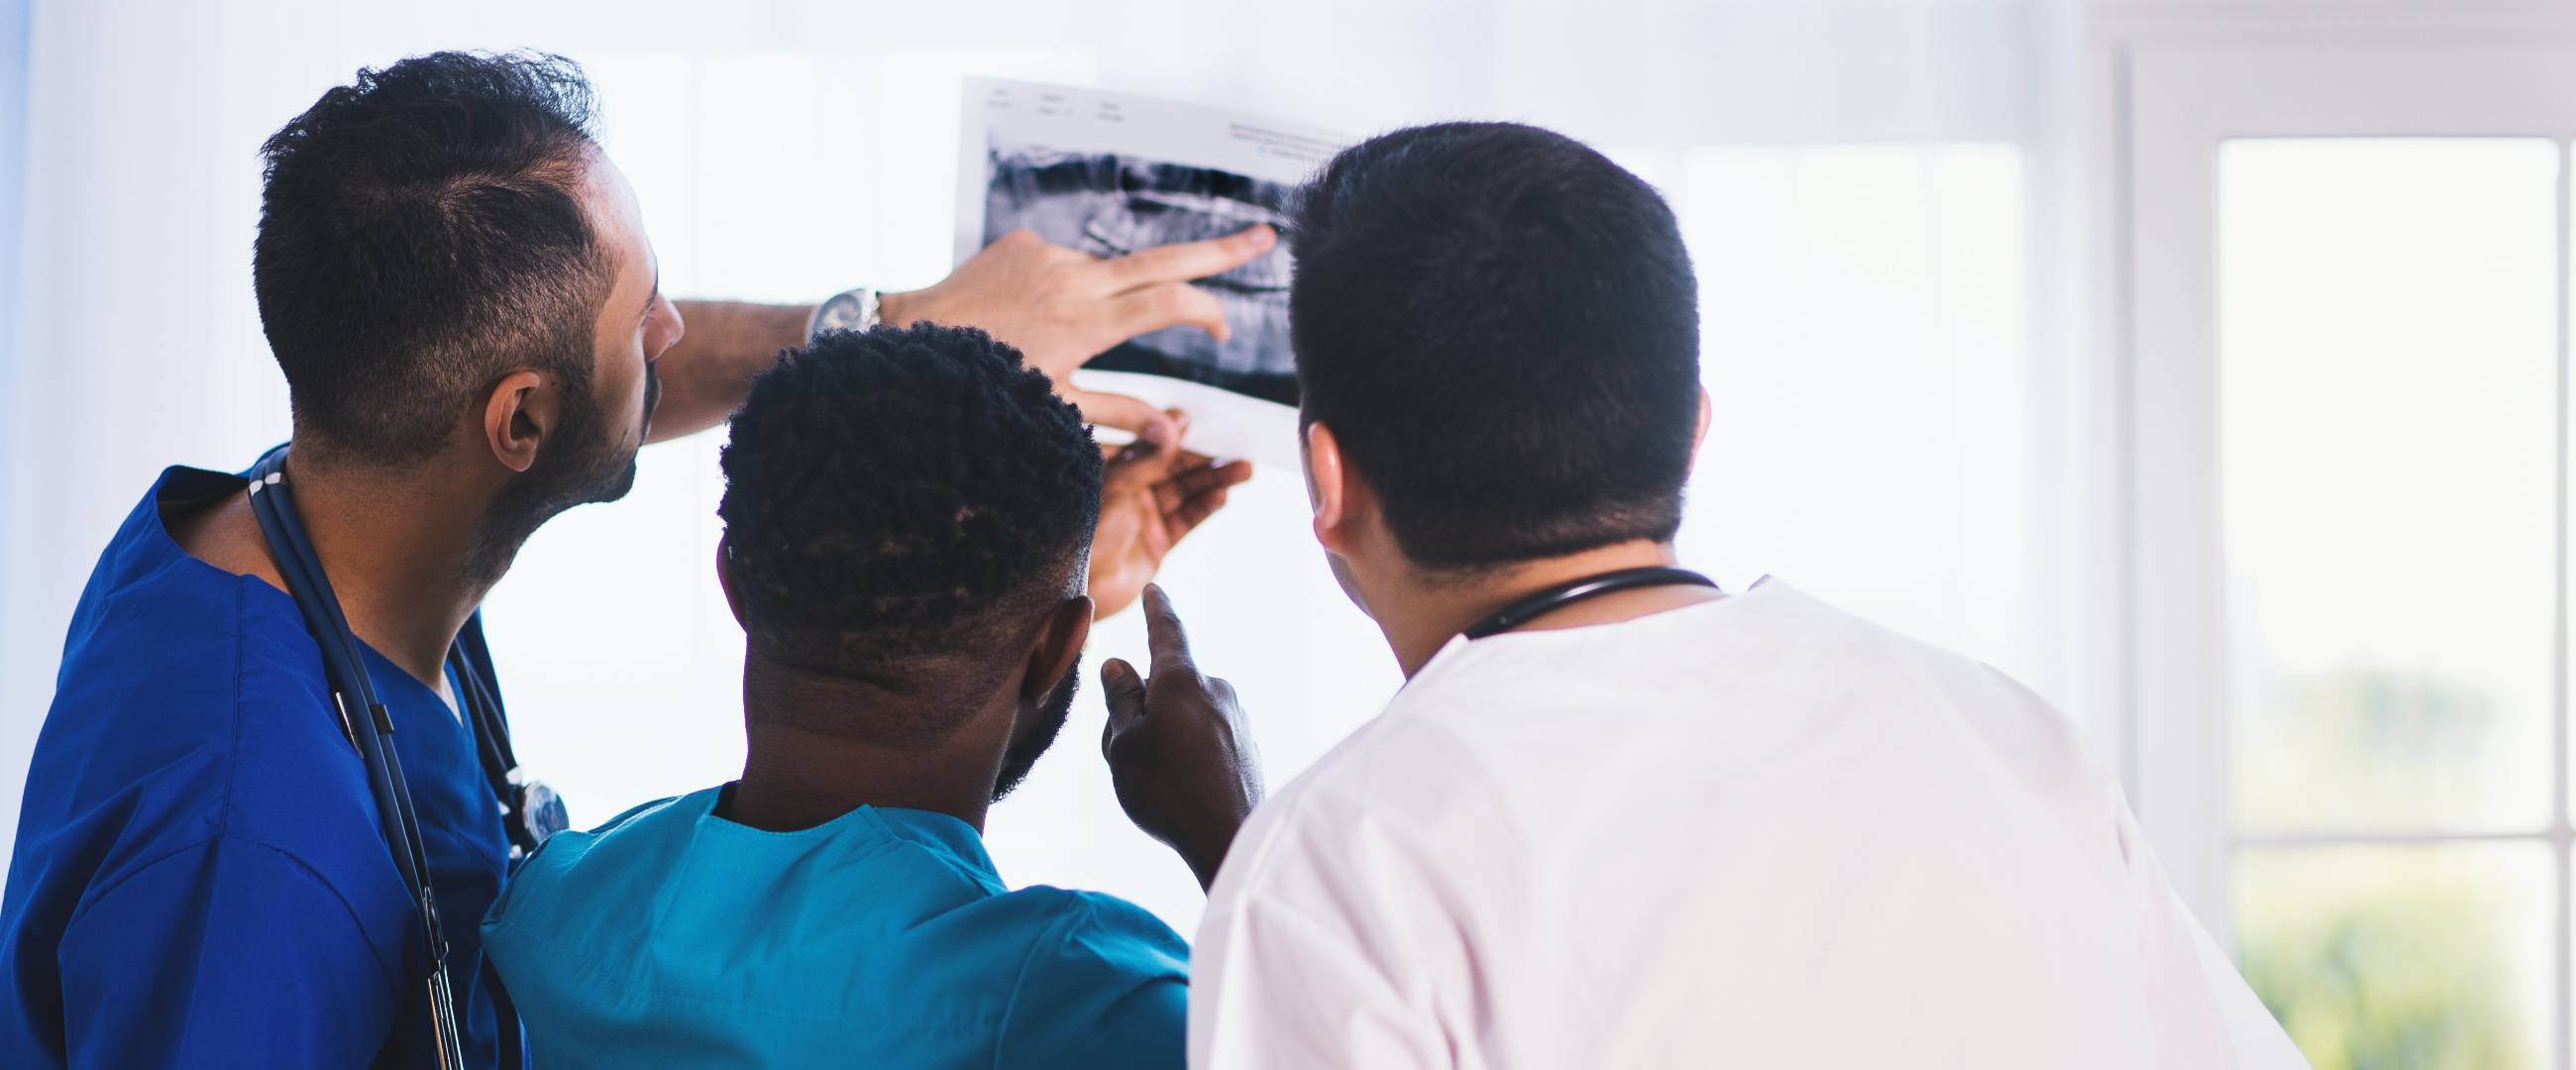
x=517 y=416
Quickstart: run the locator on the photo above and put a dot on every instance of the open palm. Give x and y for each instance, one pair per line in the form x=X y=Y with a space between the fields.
x=1149 y=499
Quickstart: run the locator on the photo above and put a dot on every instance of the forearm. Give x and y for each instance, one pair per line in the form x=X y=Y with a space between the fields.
x=705 y=375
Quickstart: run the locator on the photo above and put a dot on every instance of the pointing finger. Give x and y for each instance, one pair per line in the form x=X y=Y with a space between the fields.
x=1184 y=261
x=1163 y=632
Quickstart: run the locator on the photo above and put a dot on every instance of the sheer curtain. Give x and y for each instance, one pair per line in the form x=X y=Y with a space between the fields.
x=1876 y=194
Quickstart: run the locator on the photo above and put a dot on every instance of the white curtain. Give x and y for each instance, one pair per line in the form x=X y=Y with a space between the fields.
x=1877 y=194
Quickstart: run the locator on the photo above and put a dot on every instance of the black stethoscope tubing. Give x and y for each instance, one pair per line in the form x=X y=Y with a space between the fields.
x=367 y=726
x=348 y=679
x=1594 y=586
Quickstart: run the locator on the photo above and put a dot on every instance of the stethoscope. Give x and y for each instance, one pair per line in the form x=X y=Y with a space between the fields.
x=530 y=811
x=1566 y=594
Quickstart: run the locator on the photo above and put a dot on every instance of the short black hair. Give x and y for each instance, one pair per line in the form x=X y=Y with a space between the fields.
x=903 y=493
x=1501 y=328
x=421 y=234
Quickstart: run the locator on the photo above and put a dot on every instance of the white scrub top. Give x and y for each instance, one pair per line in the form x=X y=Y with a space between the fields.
x=1756 y=832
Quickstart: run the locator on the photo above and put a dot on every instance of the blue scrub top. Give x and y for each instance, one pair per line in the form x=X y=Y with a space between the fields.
x=671 y=937
x=198 y=879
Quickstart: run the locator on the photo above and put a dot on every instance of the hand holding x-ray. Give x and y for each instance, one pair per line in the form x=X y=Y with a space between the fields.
x=1150 y=498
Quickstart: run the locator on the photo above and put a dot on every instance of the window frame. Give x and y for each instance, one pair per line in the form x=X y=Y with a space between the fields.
x=2180 y=102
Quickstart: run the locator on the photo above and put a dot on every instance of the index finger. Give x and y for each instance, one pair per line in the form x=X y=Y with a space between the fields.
x=1163 y=631
x=1185 y=261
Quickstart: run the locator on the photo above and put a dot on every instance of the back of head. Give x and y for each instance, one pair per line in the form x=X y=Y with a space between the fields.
x=421 y=234
x=1501 y=328
x=899 y=505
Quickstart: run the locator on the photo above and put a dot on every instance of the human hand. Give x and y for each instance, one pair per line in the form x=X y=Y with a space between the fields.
x=1179 y=751
x=1149 y=498
x=1062 y=307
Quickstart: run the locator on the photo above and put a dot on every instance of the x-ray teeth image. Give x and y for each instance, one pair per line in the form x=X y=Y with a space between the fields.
x=1110 y=205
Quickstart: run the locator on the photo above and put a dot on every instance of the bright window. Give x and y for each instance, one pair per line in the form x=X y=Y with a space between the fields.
x=2391 y=429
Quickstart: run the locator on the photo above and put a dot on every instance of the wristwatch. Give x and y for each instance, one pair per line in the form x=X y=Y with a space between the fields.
x=848 y=310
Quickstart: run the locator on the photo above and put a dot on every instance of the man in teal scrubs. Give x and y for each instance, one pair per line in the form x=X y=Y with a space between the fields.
x=908 y=521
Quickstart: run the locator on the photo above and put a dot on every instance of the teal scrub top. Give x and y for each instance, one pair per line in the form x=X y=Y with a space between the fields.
x=673 y=937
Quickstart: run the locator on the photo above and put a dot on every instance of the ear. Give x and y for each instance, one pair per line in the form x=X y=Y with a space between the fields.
x=517 y=417
x=1699 y=435
x=724 y=579
x=1058 y=643
x=1329 y=488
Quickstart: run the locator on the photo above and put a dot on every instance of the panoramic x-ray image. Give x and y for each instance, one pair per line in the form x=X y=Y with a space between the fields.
x=1110 y=205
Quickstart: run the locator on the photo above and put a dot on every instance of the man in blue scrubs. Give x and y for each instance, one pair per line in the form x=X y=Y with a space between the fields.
x=914 y=633
x=457 y=286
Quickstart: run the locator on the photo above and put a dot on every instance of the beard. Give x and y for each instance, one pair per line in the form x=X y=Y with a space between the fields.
x=594 y=463
x=1031 y=744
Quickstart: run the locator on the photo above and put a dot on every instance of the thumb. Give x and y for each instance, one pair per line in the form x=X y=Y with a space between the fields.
x=1122 y=689
x=1154 y=426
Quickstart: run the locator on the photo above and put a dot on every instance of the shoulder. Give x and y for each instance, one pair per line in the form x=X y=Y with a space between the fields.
x=1921 y=688
x=1387 y=813
x=1105 y=983
x=624 y=847
x=166 y=652
x=1095 y=933
x=186 y=707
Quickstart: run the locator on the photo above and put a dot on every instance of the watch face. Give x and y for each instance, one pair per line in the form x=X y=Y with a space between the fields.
x=841 y=313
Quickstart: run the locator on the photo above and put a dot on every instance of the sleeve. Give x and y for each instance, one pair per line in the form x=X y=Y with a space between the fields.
x=228 y=953
x=1105 y=986
x=1293 y=958
x=2203 y=1008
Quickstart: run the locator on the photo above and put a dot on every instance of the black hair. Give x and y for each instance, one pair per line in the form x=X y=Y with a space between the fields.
x=1501 y=328
x=903 y=494
x=421 y=234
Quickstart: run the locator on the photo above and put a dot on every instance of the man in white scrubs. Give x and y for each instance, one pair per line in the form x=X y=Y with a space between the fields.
x=1655 y=824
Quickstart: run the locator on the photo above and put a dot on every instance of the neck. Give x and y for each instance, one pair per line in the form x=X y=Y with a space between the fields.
x=401 y=552
x=799 y=773
x=1427 y=611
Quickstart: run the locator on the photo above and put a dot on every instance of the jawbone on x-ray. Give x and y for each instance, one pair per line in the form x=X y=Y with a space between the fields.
x=1110 y=205
x=1112 y=175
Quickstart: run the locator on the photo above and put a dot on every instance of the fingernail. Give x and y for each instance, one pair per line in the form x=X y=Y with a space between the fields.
x=1263 y=237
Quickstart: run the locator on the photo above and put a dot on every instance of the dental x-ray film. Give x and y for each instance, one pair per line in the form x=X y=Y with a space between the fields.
x=1110 y=174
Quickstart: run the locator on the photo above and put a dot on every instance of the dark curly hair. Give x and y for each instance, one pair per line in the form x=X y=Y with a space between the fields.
x=421 y=234
x=903 y=494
